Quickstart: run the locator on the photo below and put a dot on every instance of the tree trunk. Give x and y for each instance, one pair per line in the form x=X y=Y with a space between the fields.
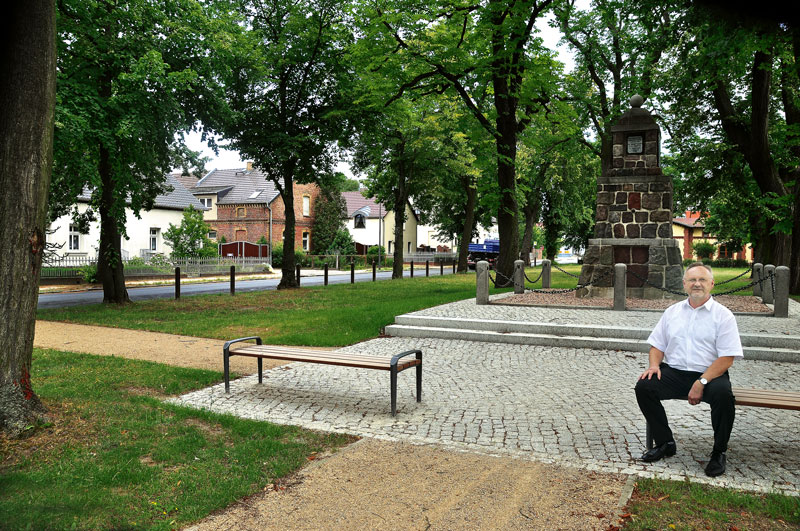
x=469 y=226
x=27 y=99
x=507 y=223
x=110 y=270
x=532 y=211
x=288 y=278
x=400 y=199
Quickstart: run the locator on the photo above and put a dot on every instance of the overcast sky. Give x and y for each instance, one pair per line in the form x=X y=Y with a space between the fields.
x=228 y=159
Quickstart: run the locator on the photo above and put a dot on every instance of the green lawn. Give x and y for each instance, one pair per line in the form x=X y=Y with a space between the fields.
x=116 y=457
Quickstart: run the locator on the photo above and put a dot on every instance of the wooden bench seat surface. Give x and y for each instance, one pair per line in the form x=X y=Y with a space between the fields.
x=323 y=356
x=765 y=398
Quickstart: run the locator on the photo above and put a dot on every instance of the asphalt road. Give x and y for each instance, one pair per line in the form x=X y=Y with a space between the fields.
x=62 y=300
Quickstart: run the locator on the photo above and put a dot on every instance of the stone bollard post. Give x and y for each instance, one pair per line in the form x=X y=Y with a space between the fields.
x=758 y=274
x=767 y=293
x=545 y=274
x=781 y=308
x=482 y=282
x=519 y=276
x=620 y=286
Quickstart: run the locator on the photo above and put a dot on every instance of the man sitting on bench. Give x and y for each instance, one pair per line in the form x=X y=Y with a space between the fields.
x=691 y=349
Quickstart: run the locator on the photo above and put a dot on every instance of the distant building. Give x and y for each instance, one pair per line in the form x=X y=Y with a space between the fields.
x=145 y=233
x=690 y=229
x=369 y=223
x=243 y=205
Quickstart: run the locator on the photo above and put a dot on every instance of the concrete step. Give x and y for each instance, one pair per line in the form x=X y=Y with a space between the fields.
x=567 y=341
x=757 y=341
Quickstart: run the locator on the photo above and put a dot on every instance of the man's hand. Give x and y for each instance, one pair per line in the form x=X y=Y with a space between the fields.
x=696 y=393
x=650 y=372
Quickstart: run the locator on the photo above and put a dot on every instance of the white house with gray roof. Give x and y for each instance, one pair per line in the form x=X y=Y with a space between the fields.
x=145 y=233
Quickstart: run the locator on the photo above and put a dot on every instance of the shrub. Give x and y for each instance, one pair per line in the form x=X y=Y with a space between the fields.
x=704 y=250
x=88 y=273
x=372 y=253
x=277 y=255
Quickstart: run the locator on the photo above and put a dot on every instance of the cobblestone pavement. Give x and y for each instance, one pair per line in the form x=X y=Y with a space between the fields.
x=574 y=407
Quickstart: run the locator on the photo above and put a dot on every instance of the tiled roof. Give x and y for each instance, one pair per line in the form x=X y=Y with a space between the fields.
x=689 y=222
x=244 y=187
x=178 y=199
x=356 y=201
x=188 y=181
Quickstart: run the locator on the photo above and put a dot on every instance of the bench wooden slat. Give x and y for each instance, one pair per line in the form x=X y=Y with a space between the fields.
x=325 y=357
x=767 y=398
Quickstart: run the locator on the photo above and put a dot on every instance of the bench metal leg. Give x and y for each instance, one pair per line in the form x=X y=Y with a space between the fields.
x=260 y=365
x=393 y=384
x=226 y=363
x=419 y=377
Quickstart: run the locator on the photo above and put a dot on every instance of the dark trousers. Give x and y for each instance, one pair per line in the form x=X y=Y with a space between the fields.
x=675 y=383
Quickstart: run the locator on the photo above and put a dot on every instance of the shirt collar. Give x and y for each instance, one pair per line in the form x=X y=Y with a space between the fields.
x=708 y=305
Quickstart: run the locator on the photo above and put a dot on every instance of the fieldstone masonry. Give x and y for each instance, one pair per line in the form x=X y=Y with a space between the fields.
x=633 y=222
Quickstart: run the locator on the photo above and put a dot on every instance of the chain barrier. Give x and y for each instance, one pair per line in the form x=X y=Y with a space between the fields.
x=569 y=290
x=735 y=278
x=771 y=277
x=563 y=271
x=537 y=278
x=508 y=281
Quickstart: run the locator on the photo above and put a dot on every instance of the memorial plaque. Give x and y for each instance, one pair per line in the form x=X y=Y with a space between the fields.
x=635 y=144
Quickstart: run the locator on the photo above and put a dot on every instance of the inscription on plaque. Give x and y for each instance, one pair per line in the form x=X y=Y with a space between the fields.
x=635 y=144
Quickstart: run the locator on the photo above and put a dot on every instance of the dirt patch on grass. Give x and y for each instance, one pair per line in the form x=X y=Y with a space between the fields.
x=65 y=428
x=735 y=303
x=213 y=430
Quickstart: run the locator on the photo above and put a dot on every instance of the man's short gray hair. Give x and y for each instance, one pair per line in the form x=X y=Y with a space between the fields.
x=699 y=264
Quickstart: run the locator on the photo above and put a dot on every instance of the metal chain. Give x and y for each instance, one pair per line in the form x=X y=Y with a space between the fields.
x=508 y=282
x=735 y=278
x=753 y=283
x=537 y=278
x=576 y=288
x=565 y=272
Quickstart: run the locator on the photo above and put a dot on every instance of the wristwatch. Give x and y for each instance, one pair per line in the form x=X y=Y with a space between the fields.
x=703 y=381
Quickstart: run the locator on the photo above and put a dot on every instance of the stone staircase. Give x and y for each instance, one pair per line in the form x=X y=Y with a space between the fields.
x=770 y=347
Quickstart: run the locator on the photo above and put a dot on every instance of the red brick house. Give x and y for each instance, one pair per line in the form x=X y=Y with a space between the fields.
x=244 y=206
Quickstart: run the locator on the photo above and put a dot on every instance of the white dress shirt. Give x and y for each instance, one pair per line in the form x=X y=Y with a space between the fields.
x=692 y=338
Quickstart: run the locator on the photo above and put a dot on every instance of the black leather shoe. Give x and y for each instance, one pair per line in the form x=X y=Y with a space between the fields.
x=654 y=454
x=716 y=465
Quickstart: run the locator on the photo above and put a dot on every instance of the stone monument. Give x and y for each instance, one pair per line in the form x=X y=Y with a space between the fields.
x=633 y=221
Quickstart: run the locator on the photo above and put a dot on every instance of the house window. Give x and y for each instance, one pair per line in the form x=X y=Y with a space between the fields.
x=306 y=238
x=206 y=202
x=358 y=222
x=241 y=212
x=154 y=238
x=212 y=235
x=74 y=238
x=306 y=205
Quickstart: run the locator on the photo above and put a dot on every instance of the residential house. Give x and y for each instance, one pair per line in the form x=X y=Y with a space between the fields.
x=369 y=223
x=145 y=233
x=690 y=229
x=243 y=205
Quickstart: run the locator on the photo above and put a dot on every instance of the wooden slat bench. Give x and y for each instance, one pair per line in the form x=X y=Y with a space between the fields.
x=756 y=398
x=394 y=364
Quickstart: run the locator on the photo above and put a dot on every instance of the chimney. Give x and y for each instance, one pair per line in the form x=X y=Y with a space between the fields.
x=249 y=165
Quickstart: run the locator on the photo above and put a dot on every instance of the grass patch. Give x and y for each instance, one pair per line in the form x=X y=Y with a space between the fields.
x=115 y=457
x=334 y=315
x=663 y=504
x=330 y=316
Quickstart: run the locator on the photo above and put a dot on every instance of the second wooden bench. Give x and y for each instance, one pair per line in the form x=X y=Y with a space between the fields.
x=393 y=364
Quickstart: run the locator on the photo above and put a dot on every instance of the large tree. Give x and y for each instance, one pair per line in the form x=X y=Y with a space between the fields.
x=735 y=88
x=285 y=101
x=487 y=54
x=131 y=76
x=27 y=98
